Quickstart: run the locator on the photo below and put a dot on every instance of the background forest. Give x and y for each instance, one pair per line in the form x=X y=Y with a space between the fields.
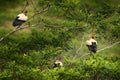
x=60 y=27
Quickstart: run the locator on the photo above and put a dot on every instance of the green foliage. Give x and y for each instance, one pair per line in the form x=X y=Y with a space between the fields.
x=90 y=68
x=30 y=55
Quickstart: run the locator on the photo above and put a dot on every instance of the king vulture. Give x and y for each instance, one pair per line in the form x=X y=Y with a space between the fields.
x=20 y=19
x=58 y=63
x=92 y=45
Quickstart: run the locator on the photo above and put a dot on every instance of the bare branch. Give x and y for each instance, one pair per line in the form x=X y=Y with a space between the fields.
x=77 y=51
x=44 y=10
x=15 y=30
x=81 y=44
x=108 y=46
x=59 y=27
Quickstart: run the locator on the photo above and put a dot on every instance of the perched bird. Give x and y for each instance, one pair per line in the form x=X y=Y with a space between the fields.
x=58 y=62
x=20 y=19
x=92 y=45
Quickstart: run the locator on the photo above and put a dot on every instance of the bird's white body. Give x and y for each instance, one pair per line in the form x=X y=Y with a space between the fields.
x=89 y=42
x=22 y=16
x=59 y=62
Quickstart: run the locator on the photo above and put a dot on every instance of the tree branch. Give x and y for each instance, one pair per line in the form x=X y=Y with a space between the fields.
x=108 y=46
x=15 y=30
x=77 y=51
x=36 y=13
x=59 y=27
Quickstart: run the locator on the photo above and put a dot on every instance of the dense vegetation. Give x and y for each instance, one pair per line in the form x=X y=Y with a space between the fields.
x=63 y=29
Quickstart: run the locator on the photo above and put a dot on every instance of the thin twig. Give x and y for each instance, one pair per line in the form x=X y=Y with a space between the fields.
x=15 y=30
x=59 y=27
x=44 y=10
x=108 y=46
x=77 y=51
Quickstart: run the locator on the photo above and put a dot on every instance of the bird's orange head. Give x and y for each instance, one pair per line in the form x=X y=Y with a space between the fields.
x=59 y=58
x=93 y=37
x=25 y=12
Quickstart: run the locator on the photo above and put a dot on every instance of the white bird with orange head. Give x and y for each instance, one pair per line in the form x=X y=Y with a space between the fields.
x=20 y=19
x=58 y=62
